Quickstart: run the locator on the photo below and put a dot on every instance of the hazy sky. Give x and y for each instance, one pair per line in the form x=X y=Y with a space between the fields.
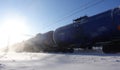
x=46 y=15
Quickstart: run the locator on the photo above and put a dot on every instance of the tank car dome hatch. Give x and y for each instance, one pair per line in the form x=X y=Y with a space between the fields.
x=81 y=19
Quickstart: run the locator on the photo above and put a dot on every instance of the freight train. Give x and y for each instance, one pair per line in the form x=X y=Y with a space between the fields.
x=85 y=32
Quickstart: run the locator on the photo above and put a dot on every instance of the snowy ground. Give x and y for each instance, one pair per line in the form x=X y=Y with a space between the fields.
x=52 y=61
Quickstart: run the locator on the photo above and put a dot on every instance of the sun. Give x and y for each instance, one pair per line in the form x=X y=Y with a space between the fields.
x=13 y=29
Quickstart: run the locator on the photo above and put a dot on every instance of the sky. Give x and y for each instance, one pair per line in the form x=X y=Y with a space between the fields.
x=41 y=16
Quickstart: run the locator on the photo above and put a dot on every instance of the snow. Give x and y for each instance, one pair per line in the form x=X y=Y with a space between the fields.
x=60 y=61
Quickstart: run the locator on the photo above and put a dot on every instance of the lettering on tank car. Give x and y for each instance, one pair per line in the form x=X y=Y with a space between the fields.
x=61 y=33
x=103 y=28
x=62 y=36
x=99 y=31
x=94 y=34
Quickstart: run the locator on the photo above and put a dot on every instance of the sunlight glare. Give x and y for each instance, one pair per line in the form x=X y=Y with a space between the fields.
x=13 y=29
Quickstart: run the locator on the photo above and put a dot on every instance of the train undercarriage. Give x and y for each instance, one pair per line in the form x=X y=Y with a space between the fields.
x=105 y=47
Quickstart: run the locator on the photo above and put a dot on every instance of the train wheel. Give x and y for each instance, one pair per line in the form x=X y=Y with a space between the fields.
x=71 y=50
x=106 y=49
x=114 y=48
